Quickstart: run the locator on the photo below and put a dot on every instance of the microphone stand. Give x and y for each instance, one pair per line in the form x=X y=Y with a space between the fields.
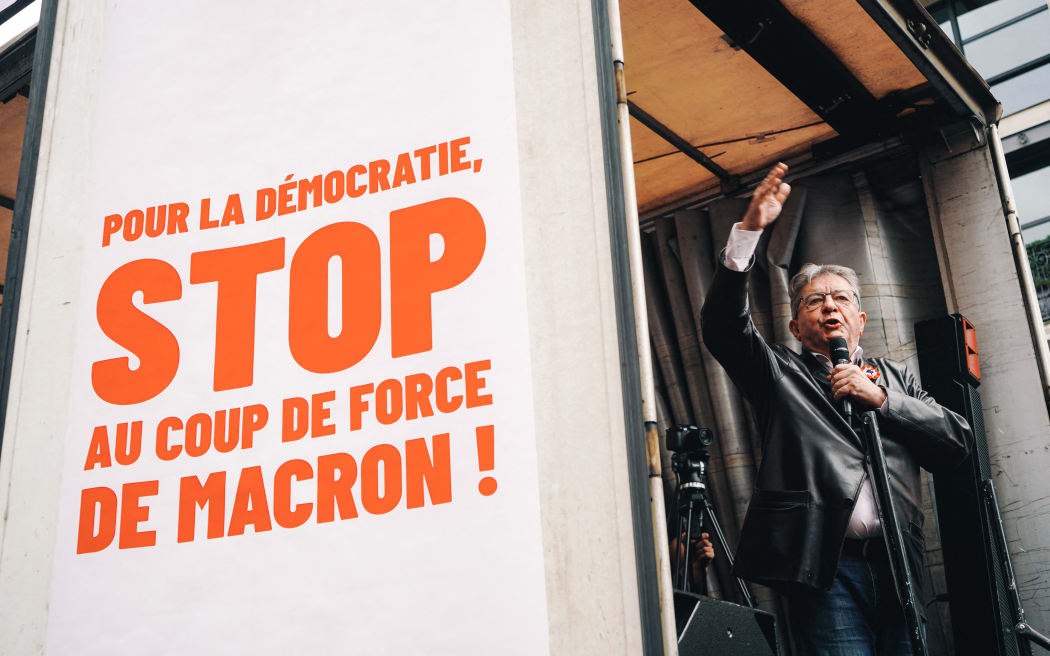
x=879 y=473
x=891 y=532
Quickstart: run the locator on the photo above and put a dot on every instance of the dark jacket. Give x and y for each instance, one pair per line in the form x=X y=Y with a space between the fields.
x=813 y=462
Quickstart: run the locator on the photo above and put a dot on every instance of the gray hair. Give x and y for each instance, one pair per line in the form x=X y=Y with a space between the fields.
x=810 y=271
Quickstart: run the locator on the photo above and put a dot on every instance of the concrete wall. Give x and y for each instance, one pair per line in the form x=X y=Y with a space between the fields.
x=35 y=425
x=587 y=533
x=981 y=283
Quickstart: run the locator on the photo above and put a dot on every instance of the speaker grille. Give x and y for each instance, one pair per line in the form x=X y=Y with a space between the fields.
x=712 y=626
x=975 y=415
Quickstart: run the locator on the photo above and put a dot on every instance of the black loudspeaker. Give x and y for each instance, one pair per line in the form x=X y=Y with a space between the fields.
x=981 y=609
x=713 y=627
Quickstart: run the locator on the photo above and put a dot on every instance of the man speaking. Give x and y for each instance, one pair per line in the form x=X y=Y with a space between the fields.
x=812 y=529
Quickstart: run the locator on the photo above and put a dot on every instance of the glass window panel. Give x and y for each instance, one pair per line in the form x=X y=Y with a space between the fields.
x=1024 y=91
x=946 y=27
x=1032 y=235
x=991 y=14
x=939 y=12
x=1039 y=260
x=1011 y=46
x=1033 y=202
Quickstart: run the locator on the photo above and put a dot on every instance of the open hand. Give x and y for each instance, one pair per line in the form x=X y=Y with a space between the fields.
x=768 y=199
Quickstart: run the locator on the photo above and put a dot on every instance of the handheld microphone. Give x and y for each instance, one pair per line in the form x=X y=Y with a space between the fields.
x=840 y=355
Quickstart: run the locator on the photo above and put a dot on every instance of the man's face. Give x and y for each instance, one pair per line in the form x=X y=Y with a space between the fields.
x=814 y=327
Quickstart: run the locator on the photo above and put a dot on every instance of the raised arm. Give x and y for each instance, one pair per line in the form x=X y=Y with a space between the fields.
x=725 y=319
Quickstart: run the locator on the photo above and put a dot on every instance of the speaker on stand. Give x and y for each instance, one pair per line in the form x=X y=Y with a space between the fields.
x=987 y=618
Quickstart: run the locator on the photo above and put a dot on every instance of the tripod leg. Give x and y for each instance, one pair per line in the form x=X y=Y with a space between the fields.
x=677 y=524
x=684 y=543
x=745 y=594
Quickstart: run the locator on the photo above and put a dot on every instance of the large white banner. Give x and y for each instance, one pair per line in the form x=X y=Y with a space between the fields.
x=301 y=416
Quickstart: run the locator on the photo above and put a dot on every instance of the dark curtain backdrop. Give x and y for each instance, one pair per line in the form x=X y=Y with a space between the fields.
x=871 y=217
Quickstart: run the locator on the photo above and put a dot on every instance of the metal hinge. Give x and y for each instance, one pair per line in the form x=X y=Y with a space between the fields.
x=920 y=31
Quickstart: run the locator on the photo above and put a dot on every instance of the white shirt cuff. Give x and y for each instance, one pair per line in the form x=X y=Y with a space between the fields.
x=740 y=248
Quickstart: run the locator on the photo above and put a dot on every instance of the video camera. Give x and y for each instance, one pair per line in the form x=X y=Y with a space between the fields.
x=688 y=438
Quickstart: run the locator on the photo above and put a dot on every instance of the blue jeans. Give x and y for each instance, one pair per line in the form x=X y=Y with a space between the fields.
x=859 y=616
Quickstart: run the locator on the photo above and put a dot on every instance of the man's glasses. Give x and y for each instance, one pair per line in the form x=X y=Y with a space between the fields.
x=844 y=298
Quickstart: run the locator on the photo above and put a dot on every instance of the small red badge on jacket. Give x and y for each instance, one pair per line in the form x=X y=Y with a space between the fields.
x=871 y=372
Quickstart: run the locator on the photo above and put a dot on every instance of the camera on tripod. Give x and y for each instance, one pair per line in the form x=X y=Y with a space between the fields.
x=689 y=456
x=691 y=509
x=688 y=438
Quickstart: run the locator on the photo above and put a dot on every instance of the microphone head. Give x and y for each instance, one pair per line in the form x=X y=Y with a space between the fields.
x=839 y=350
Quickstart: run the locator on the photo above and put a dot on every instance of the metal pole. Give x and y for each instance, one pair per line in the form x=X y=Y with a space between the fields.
x=891 y=530
x=645 y=363
x=1024 y=270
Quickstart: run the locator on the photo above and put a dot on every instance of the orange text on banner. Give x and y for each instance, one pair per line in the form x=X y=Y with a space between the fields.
x=414 y=280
